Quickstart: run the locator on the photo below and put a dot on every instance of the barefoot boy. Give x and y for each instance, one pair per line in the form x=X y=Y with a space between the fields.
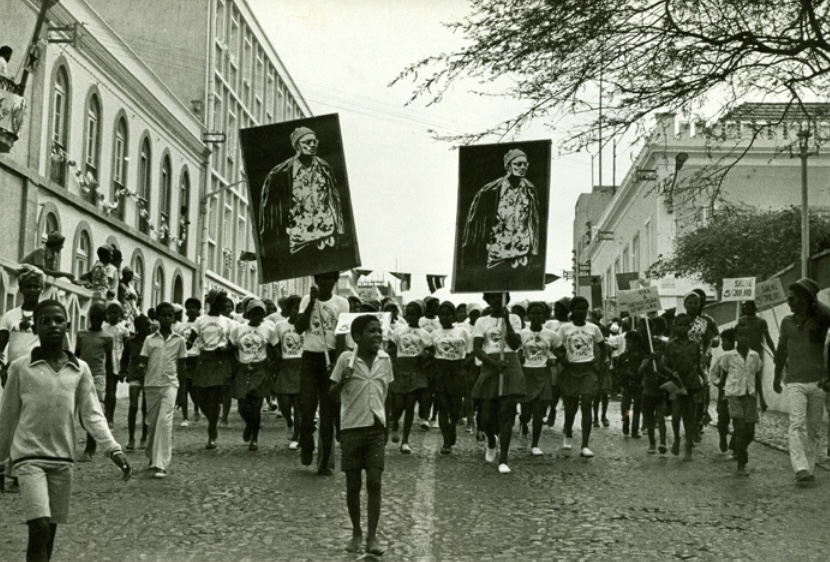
x=361 y=379
x=37 y=427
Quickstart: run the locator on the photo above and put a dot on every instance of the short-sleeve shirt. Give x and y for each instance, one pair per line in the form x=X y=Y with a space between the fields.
x=162 y=358
x=319 y=336
x=184 y=329
x=410 y=342
x=453 y=344
x=252 y=342
x=22 y=338
x=291 y=343
x=579 y=341
x=92 y=350
x=740 y=372
x=213 y=331
x=362 y=398
x=492 y=331
x=537 y=347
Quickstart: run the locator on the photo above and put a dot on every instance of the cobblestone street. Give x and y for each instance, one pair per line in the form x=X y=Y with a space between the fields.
x=231 y=504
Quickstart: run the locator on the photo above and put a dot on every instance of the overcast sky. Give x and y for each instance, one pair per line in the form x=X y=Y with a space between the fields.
x=342 y=54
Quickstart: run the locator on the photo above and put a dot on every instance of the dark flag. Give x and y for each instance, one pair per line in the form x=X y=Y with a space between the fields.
x=435 y=282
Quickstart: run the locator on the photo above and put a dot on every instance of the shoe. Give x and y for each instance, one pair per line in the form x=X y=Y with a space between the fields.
x=406 y=449
x=294 y=445
x=253 y=446
x=675 y=447
x=324 y=471
x=605 y=422
x=804 y=476
x=130 y=446
x=143 y=444
x=742 y=471
x=625 y=427
x=160 y=473
x=651 y=450
x=536 y=452
x=436 y=425
x=586 y=452
x=567 y=443
x=489 y=454
x=266 y=409
x=425 y=425
x=504 y=469
x=722 y=444
x=396 y=436
x=246 y=434
x=184 y=424
x=446 y=450
x=636 y=436
x=596 y=423
x=210 y=445
x=306 y=456
x=662 y=448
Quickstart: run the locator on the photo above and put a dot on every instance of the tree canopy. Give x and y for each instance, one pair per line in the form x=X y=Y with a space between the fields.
x=742 y=244
x=650 y=55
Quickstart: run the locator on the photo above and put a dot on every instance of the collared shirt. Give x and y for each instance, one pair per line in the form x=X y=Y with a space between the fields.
x=162 y=358
x=740 y=372
x=363 y=396
x=37 y=412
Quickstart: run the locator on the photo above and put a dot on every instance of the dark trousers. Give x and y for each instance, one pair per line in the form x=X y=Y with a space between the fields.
x=210 y=402
x=724 y=420
x=630 y=406
x=109 y=397
x=314 y=393
x=654 y=414
x=744 y=435
x=250 y=409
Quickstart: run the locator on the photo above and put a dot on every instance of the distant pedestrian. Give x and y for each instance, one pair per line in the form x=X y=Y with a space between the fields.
x=654 y=398
x=681 y=360
x=703 y=330
x=631 y=382
x=361 y=379
x=801 y=351
x=163 y=361
x=37 y=428
x=116 y=327
x=130 y=364
x=716 y=374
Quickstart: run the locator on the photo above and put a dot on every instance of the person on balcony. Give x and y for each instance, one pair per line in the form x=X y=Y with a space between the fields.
x=47 y=258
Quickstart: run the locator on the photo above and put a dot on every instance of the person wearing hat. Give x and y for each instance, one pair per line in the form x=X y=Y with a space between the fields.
x=255 y=343
x=801 y=352
x=47 y=258
x=300 y=208
x=501 y=231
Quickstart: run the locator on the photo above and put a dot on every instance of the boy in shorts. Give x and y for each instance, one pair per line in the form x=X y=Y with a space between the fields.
x=361 y=380
x=37 y=427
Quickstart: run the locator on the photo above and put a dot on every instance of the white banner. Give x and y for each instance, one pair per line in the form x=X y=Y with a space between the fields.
x=639 y=301
x=769 y=293
x=738 y=289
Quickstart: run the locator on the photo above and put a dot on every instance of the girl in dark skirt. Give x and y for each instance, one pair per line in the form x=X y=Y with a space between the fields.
x=290 y=362
x=451 y=345
x=537 y=356
x=213 y=370
x=501 y=382
x=410 y=349
x=255 y=343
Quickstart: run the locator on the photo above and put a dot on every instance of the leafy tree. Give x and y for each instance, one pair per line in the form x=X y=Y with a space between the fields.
x=742 y=244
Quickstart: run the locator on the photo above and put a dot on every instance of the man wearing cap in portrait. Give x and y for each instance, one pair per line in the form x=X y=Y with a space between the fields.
x=300 y=206
x=502 y=226
x=47 y=258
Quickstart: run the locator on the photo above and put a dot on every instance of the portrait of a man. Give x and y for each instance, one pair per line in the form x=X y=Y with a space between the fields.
x=502 y=224
x=299 y=198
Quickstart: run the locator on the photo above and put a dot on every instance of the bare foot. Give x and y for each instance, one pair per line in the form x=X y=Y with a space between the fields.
x=373 y=547
x=354 y=544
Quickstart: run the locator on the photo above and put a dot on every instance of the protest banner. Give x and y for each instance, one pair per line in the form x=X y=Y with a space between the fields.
x=769 y=293
x=640 y=301
x=738 y=289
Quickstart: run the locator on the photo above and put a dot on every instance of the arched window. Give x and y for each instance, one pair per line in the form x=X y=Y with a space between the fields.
x=137 y=265
x=60 y=125
x=184 y=211
x=158 y=285
x=144 y=180
x=120 y=149
x=166 y=189
x=82 y=252
x=92 y=150
x=178 y=289
x=48 y=223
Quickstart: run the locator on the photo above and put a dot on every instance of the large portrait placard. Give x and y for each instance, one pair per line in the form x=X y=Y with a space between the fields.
x=501 y=225
x=299 y=196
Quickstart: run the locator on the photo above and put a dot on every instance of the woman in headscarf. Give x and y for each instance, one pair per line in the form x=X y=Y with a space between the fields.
x=704 y=332
x=129 y=298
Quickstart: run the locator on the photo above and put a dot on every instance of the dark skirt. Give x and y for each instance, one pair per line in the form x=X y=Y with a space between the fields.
x=251 y=378
x=604 y=381
x=409 y=375
x=579 y=379
x=537 y=383
x=288 y=379
x=190 y=363
x=449 y=377
x=492 y=384
x=214 y=369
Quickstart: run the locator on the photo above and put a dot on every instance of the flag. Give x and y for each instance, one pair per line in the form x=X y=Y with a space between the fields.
x=357 y=274
x=550 y=278
x=405 y=278
x=435 y=282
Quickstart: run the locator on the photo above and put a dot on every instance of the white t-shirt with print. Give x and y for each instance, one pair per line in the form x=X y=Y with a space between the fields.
x=213 y=331
x=410 y=342
x=452 y=344
x=579 y=341
x=319 y=336
x=22 y=337
x=291 y=343
x=184 y=329
x=251 y=342
x=537 y=347
x=492 y=330
x=429 y=324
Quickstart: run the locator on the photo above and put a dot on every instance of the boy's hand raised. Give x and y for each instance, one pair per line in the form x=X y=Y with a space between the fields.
x=122 y=463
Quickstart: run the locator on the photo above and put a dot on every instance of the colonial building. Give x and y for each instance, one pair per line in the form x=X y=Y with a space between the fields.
x=217 y=61
x=640 y=220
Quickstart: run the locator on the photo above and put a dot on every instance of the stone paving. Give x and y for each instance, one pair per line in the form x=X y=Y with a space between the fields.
x=231 y=504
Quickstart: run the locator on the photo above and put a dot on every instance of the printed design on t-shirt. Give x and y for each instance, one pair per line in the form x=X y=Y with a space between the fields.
x=292 y=344
x=580 y=346
x=25 y=324
x=326 y=325
x=449 y=347
x=409 y=344
x=493 y=334
x=213 y=334
x=536 y=351
x=251 y=343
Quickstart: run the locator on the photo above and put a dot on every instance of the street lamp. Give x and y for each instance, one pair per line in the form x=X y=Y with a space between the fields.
x=203 y=229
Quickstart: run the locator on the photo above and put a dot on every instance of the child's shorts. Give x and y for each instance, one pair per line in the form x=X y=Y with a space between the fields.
x=45 y=489
x=743 y=408
x=362 y=448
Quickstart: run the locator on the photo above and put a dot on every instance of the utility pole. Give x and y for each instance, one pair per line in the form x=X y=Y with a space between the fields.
x=804 y=146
